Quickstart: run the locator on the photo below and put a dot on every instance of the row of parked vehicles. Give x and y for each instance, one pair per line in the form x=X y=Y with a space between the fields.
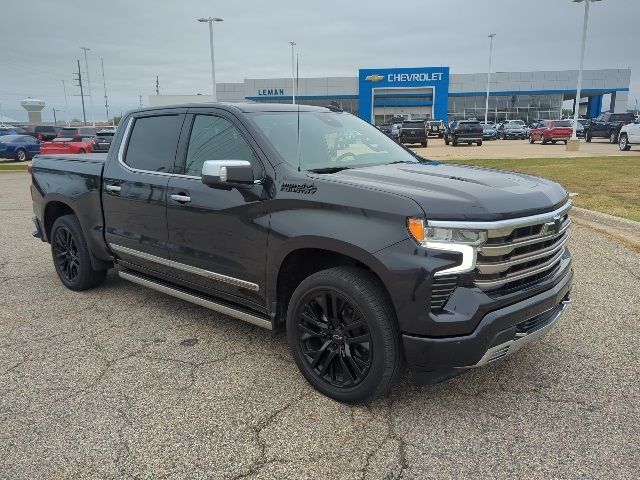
x=23 y=143
x=620 y=128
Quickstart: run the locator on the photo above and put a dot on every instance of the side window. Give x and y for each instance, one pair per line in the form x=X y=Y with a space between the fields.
x=153 y=142
x=216 y=138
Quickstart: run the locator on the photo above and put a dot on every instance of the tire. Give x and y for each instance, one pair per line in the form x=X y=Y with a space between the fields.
x=71 y=256
x=565 y=141
x=613 y=136
x=553 y=141
x=543 y=140
x=587 y=136
x=446 y=139
x=454 y=141
x=320 y=337
x=531 y=140
x=479 y=143
x=623 y=142
x=82 y=150
x=21 y=155
x=424 y=144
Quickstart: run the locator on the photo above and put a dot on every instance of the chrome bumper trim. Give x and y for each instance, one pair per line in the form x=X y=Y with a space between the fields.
x=509 y=348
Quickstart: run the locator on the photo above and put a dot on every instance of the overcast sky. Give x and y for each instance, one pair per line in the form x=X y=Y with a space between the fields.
x=141 y=39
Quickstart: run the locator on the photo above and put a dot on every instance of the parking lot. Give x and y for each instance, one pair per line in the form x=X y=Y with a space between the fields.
x=437 y=150
x=126 y=382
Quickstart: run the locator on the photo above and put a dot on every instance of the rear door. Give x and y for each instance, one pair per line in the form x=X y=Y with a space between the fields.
x=135 y=188
x=218 y=236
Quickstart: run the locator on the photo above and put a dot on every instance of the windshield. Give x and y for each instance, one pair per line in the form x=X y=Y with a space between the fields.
x=488 y=127
x=328 y=140
x=563 y=123
x=512 y=126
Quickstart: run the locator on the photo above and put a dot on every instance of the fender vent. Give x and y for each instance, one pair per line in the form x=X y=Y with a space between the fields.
x=441 y=290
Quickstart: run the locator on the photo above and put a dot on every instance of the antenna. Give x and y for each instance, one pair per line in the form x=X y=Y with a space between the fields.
x=298 y=105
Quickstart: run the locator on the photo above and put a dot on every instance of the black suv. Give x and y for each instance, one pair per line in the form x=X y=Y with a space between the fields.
x=414 y=131
x=607 y=125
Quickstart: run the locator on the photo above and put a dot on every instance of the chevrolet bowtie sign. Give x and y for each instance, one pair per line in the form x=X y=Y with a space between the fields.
x=406 y=77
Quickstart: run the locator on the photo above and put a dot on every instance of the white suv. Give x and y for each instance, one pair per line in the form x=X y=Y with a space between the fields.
x=629 y=135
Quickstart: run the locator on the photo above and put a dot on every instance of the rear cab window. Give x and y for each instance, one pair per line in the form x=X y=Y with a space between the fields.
x=152 y=143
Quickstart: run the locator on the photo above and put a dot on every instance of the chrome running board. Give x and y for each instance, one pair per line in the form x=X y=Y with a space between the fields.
x=198 y=300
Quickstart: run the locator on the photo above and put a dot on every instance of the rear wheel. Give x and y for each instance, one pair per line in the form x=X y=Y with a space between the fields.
x=21 y=155
x=82 y=150
x=454 y=141
x=587 y=136
x=71 y=256
x=623 y=142
x=531 y=140
x=343 y=335
x=613 y=137
x=446 y=139
x=479 y=143
x=543 y=140
x=424 y=144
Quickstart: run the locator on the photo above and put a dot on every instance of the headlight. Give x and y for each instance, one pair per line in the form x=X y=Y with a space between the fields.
x=464 y=241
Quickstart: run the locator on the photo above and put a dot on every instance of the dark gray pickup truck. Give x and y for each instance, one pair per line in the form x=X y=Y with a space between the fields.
x=314 y=221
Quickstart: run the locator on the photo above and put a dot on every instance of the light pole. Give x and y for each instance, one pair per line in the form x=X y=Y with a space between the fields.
x=86 y=66
x=293 y=73
x=210 y=21
x=576 y=112
x=486 y=104
x=66 y=105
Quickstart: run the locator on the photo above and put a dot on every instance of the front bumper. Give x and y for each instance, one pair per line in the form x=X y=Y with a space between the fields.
x=409 y=139
x=500 y=333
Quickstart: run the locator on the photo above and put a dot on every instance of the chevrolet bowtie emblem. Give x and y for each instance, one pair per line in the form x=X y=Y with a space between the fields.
x=374 y=78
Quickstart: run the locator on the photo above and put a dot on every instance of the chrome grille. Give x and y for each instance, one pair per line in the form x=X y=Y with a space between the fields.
x=516 y=256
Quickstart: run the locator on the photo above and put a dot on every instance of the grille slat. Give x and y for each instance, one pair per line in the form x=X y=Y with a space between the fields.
x=515 y=257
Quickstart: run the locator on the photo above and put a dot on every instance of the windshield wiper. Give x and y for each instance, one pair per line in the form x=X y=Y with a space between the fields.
x=400 y=161
x=328 y=169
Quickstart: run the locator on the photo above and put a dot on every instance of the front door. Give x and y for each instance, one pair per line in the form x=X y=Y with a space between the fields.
x=135 y=189
x=218 y=236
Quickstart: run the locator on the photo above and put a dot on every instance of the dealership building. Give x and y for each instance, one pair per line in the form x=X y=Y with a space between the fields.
x=378 y=94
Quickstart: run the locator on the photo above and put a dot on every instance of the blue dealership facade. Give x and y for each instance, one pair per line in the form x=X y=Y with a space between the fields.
x=378 y=94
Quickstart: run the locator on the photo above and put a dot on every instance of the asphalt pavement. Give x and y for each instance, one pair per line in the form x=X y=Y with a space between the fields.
x=122 y=381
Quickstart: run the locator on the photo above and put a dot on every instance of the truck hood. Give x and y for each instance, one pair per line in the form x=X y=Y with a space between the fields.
x=459 y=192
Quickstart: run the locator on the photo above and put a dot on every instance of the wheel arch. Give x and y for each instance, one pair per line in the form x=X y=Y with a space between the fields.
x=308 y=256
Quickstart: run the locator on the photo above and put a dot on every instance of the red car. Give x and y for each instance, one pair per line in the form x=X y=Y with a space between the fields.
x=552 y=131
x=75 y=144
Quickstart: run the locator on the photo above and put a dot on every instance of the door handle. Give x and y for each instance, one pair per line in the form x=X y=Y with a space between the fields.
x=113 y=188
x=181 y=198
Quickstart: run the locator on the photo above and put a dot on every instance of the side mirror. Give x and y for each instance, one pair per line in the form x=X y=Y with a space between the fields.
x=227 y=173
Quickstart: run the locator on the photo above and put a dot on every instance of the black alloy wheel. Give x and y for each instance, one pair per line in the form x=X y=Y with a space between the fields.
x=65 y=253
x=334 y=339
x=343 y=334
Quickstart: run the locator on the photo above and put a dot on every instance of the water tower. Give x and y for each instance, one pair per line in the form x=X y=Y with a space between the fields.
x=34 y=107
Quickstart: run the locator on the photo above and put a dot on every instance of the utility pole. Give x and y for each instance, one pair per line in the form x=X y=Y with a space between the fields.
x=79 y=79
x=486 y=105
x=66 y=105
x=140 y=98
x=86 y=65
x=104 y=84
x=157 y=86
x=2 y=118
x=55 y=120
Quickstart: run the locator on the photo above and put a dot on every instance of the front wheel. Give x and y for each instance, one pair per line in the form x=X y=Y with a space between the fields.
x=446 y=139
x=454 y=141
x=71 y=256
x=21 y=155
x=343 y=335
x=424 y=144
x=82 y=150
x=479 y=143
x=543 y=140
x=531 y=140
x=623 y=142
x=587 y=137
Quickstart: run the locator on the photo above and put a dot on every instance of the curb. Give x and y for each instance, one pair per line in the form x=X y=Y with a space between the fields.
x=625 y=231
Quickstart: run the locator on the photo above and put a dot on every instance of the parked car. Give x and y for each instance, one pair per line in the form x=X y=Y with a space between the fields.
x=68 y=132
x=512 y=130
x=629 y=135
x=18 y=147
x=103 y=140
x=414 y=131
x=72 y=145
x=464 y=131
x=9 y=131
x=370 y=259
x=489 y=131
x=579 y=128
x=435 y=128
x=607 y=125
x=552 y=131
x=391 y=129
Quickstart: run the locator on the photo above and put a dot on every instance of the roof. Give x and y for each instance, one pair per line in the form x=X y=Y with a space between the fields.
x=243 y=107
